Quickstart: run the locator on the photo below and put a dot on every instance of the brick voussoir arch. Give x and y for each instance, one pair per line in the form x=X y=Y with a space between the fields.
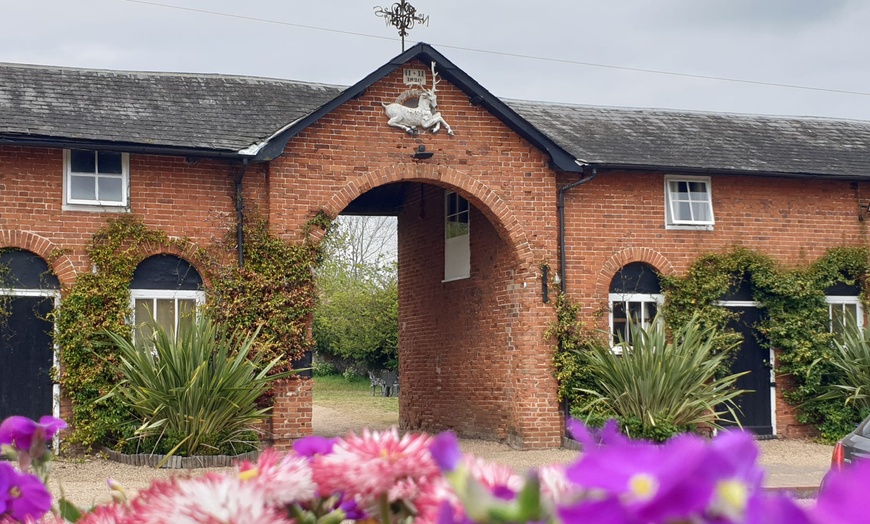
x=60 y=263
x=181 y=248
x=627 y=256
x=488 y=202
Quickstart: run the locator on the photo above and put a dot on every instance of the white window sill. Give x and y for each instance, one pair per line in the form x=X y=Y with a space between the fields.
x=689 y=227
x=96 y=208
x=454 y=279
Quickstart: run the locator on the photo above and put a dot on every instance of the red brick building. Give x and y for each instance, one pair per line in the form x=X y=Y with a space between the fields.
x=480 y=210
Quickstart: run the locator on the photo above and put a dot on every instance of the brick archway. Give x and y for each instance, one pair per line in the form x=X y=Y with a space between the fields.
x=485 y=199
x=473 y=355
x=183 y=249
x=61 y=265
x=627 y=256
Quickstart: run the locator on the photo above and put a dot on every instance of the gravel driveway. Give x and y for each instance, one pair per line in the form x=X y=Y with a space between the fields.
x=83 y=481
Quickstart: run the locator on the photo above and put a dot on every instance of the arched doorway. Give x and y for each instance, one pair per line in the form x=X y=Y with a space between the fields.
x=28 y=295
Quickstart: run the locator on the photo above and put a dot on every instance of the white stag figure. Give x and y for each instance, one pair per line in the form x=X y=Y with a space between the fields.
x=425 y=115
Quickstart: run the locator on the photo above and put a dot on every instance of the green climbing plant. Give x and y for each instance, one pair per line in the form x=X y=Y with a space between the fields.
x=796 y=323
x=99 y=302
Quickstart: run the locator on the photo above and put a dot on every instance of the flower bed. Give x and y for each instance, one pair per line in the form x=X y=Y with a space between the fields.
x=392 y=478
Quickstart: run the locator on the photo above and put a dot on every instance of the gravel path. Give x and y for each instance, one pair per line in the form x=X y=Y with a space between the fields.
x=83 y=481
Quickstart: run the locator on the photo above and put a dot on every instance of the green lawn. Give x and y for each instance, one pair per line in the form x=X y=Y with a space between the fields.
x=337 y=391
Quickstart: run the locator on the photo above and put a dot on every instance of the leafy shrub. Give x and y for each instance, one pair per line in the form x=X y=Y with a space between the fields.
x=845 y=399
x=198 y=388
x=660 y=386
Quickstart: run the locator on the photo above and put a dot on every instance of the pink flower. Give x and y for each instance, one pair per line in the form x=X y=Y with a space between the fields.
x=210 y=499
x=107 y=514
x=555 y=486
x=281 y=480
x=434 y=498
x=22 y=496
x=374 y=464
x=501 y=480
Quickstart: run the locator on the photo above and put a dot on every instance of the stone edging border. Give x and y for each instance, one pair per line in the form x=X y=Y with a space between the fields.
x=176 y=462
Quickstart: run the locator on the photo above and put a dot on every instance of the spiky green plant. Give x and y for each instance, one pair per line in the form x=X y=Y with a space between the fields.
x=666 y=381
x=198 y=387
x=851 y=359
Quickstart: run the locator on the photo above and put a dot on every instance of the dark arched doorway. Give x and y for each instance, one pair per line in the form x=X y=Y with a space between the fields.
x=28 y=295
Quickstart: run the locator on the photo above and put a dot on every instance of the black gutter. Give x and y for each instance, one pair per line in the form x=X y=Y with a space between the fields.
x=240 y=216
x=561 y=208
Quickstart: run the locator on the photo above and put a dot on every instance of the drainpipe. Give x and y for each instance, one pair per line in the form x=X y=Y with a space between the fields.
x=240 y=206
x=561 y=209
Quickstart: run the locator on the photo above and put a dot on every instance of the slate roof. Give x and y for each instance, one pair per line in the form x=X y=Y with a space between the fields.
x=224 y=115
x=189 y=111
x=704 y=141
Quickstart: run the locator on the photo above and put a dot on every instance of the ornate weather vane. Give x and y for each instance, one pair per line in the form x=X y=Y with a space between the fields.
x=403 y=16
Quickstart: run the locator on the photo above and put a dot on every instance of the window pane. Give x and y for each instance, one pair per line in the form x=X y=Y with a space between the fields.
x=166 y=315
x=698 y=188
x=463 y=204
x=700 y=212
x=186 y=314
x=619 y=322
x=110 y=189
x=82 y=161
x=451 y=204
x=684 y=211
x=455 y=228
x=83 y=187
x=109 y=162
x=141 y=320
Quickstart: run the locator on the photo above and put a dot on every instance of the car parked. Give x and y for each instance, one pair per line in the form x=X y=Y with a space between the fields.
x=853 y=447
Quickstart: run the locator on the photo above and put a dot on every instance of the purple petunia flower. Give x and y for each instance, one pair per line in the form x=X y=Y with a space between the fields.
x=313 y=445
x=22 y=495
x=732 y=470
x=25 y=434
x=591 y=439
x=656 y=483
x=351 y=510
x=445 y=450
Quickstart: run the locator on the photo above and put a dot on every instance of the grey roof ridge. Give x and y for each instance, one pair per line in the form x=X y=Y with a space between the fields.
x=168 y=74
x=673 y=111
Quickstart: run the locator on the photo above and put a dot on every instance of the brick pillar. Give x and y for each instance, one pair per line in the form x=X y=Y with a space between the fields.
x=291 y=414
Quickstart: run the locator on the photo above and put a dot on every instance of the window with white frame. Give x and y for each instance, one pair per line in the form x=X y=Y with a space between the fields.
x=688 y=202
x=96 y=178
x=635 y=297
x=457 y=248
x=165 y=290
x=844 y=307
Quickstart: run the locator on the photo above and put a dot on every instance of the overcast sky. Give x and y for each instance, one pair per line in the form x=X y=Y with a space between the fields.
x=821 y=44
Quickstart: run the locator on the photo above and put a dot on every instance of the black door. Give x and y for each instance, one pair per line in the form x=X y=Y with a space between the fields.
x=26 y=355
x=751 y=356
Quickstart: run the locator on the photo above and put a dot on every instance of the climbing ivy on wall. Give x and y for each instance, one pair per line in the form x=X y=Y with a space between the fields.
x=796 y=317
x=275 y=290
x=796 y=322
x=98 y=301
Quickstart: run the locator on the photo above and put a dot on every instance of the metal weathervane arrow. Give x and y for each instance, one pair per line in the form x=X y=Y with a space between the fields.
x=403 y=16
